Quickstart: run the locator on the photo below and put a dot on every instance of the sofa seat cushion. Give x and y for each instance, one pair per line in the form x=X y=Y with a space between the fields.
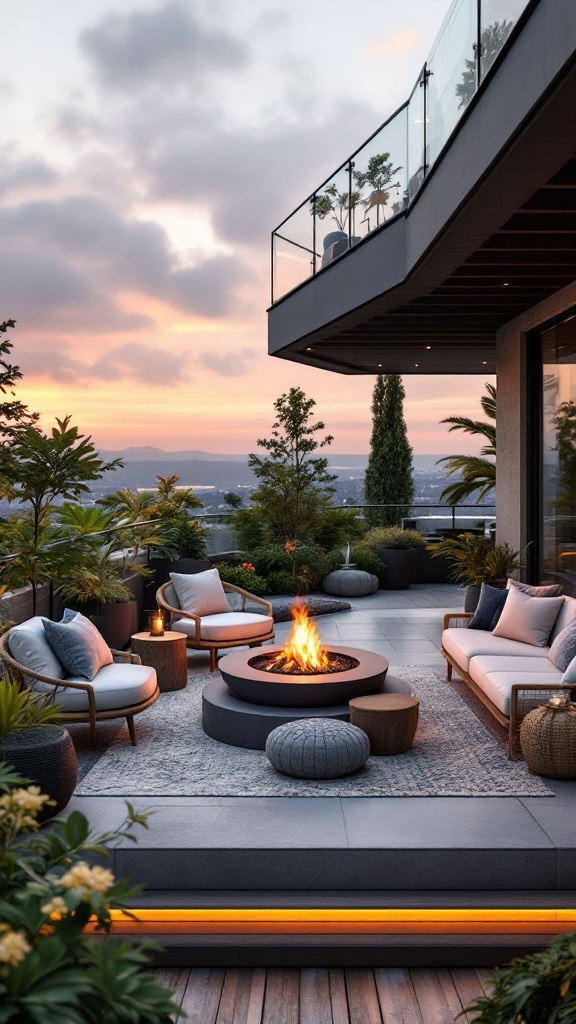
x=462 y=645
x=496 y=676
x=227 y=626
x=115 y=686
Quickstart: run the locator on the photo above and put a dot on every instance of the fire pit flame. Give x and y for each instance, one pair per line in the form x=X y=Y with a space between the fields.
x=304 y=651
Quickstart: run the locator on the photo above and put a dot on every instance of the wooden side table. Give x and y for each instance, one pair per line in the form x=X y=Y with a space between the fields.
x=167 y=654
x=388 y=719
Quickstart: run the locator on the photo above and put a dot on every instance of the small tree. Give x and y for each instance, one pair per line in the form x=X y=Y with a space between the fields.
x=389 y=473
x=13 y=413
x=492 y=40
x=295 y=485
x=45 y=467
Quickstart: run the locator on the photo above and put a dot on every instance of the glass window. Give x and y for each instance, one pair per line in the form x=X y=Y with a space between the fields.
x=559 y=448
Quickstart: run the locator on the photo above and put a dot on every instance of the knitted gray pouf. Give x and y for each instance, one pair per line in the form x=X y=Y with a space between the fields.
x=350 y=583
x=317 y=748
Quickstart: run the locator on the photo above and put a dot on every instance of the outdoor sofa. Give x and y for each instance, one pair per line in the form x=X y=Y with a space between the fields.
x=509 y=677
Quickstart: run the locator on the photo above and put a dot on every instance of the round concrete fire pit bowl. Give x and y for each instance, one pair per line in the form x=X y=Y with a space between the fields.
x=303 y=691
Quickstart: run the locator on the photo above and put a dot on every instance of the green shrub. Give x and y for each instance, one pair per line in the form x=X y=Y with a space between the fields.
x=248 y=579
x=333 y=527
x=187 y=537
x=296 y=568
x=536 y=989
x=362 y=558
x=251 y=528
x=393 y=537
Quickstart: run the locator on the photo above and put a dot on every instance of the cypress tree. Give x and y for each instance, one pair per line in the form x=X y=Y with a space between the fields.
x=389 y=474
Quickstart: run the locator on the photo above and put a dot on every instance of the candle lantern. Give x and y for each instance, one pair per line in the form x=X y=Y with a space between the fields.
x=156 y=623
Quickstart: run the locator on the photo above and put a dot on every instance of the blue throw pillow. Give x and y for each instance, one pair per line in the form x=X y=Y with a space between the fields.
x=78 y=644
x=563 y=649
x=489 y=608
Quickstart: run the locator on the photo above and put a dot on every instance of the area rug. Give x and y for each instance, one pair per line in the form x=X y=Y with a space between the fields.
x=453 y=755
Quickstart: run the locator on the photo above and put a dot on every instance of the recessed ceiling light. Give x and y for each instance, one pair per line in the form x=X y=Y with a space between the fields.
x=379 y=366
x=308 y=349
x=506 y=284
x=484 y=362
x=416 y=364
x=428 y=347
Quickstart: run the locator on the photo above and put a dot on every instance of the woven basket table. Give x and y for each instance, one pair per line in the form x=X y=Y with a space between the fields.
x=548 y=740
x=388 y=719
x=167 y=654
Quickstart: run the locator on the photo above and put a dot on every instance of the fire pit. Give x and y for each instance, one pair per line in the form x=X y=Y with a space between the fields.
x=304 y=673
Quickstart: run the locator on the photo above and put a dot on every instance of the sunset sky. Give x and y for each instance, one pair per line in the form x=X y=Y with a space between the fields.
x=148 y=149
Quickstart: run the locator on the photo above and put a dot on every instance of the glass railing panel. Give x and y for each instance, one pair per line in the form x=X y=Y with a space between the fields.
x=379 y=177
x=452 y=79
x=333 y=212
x=293 y=252
x=497 y=19
x=415 y=115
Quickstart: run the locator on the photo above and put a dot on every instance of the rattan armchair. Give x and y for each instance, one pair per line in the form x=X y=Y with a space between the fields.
x=96 y=710
x=200 y=632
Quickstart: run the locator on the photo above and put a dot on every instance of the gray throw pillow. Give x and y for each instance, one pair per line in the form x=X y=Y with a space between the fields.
x=563 y=649
x=489 y=608
x=79 y=646
x=528 y=619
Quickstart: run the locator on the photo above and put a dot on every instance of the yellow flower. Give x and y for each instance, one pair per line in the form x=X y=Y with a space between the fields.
x=55 y=906
x=30 y=799
x=86 y=879
x=13 y=948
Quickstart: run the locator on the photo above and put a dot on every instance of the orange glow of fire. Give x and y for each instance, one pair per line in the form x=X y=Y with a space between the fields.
x=303 y=649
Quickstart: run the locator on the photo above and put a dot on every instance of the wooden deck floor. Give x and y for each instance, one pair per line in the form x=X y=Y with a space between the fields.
x=322 y=995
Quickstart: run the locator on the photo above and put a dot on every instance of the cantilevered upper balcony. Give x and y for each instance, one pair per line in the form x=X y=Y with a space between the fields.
x=471 y=221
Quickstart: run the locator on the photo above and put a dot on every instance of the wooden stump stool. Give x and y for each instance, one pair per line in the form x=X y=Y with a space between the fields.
x=167 y=654
x=388 y=719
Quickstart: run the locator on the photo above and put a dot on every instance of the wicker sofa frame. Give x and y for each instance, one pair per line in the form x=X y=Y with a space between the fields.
x=523 y=698
x=23 y=675
x=196 y=642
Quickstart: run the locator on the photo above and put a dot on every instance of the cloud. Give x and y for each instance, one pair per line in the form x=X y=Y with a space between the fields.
x=133 y=361
x=228 y=364
x=31 y=171
x=165 y=44
x=399 y=43
x=66 y=262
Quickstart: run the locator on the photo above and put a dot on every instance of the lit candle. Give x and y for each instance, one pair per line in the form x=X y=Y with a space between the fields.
x=156 y=624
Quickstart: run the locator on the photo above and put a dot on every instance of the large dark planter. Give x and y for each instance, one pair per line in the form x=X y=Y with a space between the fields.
x=401 y=565
x=47 y=757
x=117 y=622
x=432 y=570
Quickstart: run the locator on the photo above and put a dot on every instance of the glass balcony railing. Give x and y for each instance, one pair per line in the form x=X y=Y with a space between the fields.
x=382 y=178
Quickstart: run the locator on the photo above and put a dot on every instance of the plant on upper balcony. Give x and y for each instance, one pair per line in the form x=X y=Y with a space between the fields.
x=378 y=175
x=535 y=989
x=338 y=204
x=492 y=40
x=51 y=970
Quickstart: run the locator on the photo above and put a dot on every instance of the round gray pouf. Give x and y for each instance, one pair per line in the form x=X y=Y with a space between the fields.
x=317 y=748
x=350 y=583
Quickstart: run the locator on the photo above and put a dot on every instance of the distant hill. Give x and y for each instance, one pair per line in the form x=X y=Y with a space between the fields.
x=158 y=458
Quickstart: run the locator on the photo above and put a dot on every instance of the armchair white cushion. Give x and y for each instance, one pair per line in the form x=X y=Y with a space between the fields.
x=29 y=645
x=227 y=626
x=115 y=686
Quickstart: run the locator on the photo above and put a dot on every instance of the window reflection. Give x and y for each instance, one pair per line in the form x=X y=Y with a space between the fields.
x=559 y=448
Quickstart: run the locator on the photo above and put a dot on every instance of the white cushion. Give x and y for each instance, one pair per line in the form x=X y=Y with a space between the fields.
x=528 y=619
x=463 y=644
x=565 y=616
x=200 y=593
x=229 y=626
x=496 y=676
x=115 y=686
x=29 y=645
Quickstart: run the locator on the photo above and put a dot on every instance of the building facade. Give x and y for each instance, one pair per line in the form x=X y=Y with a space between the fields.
x=447 y=245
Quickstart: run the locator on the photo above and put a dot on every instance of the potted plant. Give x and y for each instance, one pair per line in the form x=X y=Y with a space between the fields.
x=398 y=549
x=378 y=175
x=476 y=560
x=35 y=744
x=340 y=205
